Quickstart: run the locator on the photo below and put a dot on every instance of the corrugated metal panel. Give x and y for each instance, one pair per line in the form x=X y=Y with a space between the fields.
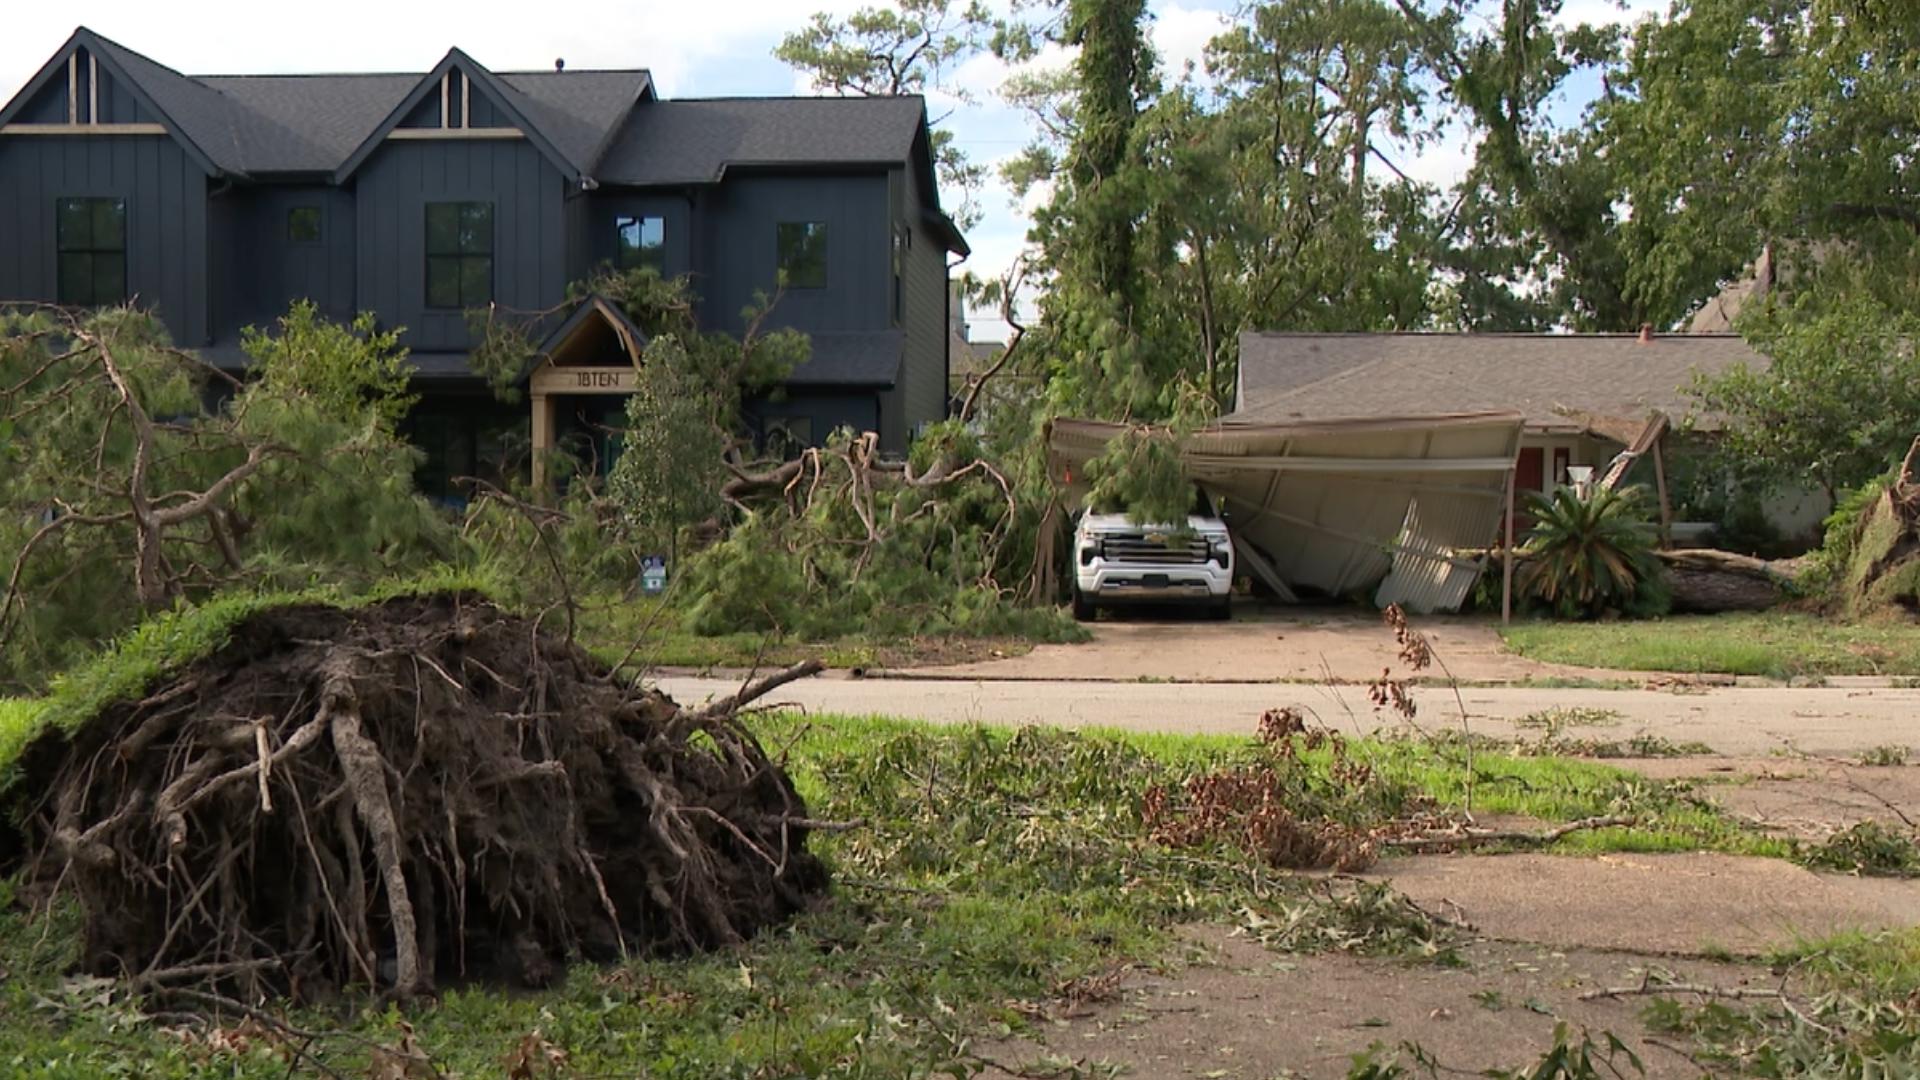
x=1346 y=505
x=1427 y=575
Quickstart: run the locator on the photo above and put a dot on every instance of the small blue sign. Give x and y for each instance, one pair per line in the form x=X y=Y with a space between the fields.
x=653 y=574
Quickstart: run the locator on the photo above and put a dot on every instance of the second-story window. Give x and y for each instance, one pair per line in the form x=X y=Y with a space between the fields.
x=303 y=224
x=640 y=241
x=459 y=254
x=91 y=242
x=803 y=254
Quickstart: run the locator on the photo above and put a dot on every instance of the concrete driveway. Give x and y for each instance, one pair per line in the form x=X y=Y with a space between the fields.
x=1176 y=674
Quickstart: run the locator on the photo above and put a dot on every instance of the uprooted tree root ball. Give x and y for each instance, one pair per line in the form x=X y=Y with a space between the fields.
x=422 y=789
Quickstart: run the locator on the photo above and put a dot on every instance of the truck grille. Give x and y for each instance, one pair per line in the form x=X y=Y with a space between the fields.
x=1192 y=551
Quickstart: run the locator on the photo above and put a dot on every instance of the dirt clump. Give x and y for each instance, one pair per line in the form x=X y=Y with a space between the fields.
x=418 y=790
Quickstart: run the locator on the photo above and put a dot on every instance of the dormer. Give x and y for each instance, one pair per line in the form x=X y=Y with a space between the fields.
x=83 y=96
x=93 y=87
x=460 y=99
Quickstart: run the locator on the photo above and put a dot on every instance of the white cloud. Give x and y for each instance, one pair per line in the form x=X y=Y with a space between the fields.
x=1180 y=36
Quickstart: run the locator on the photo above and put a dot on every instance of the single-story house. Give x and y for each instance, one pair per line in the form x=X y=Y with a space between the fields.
x=1586 y=398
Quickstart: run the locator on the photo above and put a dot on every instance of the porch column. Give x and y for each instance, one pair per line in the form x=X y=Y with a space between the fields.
x=542 y=437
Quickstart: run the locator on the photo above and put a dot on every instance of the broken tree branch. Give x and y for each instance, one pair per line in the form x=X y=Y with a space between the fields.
x=731 y=704
x=1480 y=837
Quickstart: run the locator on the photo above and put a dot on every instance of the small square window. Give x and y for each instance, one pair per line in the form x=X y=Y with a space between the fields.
x=640 y=241
x=303 y=225
x=803 y=254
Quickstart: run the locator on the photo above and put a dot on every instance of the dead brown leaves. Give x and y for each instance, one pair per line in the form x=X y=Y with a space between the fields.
x=1265 y=810
x=536 y=1057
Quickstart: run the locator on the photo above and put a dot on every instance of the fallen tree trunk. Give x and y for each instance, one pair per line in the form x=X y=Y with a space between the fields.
x=1705 y=581
x=385 y=796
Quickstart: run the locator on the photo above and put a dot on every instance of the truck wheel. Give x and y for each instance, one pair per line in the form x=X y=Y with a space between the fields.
x=1221 y=610
x=1083 y=609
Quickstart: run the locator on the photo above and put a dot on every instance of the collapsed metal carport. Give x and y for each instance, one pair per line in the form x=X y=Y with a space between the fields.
x=1405 y=506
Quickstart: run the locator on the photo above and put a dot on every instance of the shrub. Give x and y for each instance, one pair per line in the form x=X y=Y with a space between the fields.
x=749 y=581
x=1592 y=556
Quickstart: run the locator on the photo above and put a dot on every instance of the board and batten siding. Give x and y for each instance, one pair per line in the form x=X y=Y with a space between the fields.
x=167 y=230
x=263 y=270
x=394 y=187
x=737 y=227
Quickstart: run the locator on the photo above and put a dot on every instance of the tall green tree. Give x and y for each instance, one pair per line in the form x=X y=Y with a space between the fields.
x=673 y=463
x=1839 y=401
x=1536 y=214
x=1745 y=123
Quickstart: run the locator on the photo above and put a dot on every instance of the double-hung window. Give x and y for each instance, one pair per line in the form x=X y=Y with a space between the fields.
x=459 y=254
x=91 y=242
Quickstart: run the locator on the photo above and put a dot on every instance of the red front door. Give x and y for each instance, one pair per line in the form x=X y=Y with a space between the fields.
x=1528 y=477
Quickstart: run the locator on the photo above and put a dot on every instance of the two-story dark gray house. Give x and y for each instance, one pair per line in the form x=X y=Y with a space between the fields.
x=216 y=201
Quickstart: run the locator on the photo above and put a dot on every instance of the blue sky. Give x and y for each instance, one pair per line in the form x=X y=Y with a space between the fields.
x=716 y=48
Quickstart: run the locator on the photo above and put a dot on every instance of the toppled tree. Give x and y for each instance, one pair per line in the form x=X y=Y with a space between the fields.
x=1871 y=559
x=939 y=541
x=126 y=492
x=936 y=543
x=386 y=796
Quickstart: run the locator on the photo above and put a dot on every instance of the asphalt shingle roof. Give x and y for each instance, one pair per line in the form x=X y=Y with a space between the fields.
x=579 y=111
x=1556 y=380
x=247 y=124
x=865 y=358
x=694 y=141
x=307 y=123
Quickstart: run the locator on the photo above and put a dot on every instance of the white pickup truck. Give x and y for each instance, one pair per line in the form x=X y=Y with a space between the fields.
x=1118 y=562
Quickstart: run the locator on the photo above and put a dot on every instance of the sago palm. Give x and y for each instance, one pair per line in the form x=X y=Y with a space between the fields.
x=1593 y=555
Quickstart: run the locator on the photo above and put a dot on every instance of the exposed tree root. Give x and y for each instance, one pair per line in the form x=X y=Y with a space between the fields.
x=387 y=797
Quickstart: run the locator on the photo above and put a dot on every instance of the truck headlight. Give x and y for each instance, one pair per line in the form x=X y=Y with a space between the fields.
x=1222 y=550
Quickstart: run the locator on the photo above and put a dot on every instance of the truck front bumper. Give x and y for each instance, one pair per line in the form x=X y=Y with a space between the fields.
x=1110 y=582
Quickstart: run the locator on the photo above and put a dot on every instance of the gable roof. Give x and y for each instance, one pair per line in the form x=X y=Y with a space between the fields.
x=596 y=311
x=545 y=123
x=597 y=126
x=1560 y=382
x=181 y=104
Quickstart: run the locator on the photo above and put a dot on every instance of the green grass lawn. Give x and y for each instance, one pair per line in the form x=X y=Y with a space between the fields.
x=1777 y=645
x=995 y=868
x=611 y=626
